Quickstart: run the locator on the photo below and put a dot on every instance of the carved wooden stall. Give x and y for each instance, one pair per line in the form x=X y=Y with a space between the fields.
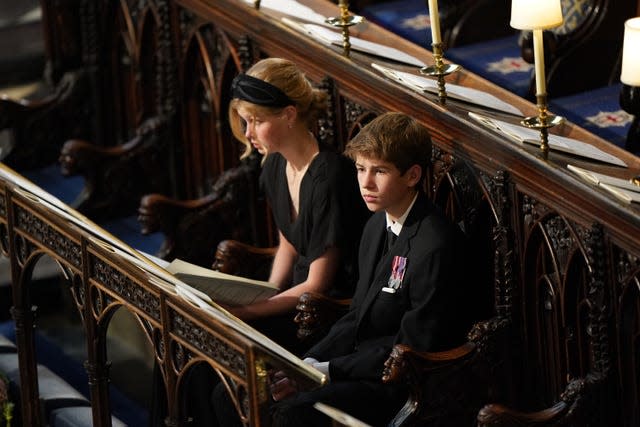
x=566 y=272
x=104 y=275
x=564 y=268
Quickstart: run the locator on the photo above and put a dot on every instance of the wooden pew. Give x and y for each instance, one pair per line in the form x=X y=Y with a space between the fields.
x=135 y=105
x=104 y=275
x=534 y=184
x=62 y=103
x=544 y=202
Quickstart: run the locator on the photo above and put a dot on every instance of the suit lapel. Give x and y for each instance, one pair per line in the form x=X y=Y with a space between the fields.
x=380 y=273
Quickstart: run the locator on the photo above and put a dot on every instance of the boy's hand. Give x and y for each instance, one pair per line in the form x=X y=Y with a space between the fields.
x=282 y=386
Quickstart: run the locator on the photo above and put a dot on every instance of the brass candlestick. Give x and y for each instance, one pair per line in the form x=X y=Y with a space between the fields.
x=344 y=21
x=439 y=70
x=543 y=121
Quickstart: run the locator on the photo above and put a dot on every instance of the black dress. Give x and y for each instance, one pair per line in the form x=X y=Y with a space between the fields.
x=331 y=213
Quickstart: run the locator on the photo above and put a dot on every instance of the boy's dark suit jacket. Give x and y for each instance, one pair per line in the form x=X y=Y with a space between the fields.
x=429 y=312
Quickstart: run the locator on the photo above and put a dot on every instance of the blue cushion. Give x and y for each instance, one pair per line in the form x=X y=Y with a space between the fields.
x=499 y=61
x=72 y=371
x=77 y=417
x=128 y=230
x=406 y=18
x=598 y=111
x=51 y=180
x=6 y=345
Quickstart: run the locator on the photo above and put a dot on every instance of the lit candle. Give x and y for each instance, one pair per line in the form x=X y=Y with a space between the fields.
x=434 y=17
x=538 y=56
x=532 y=14
x=536 y=15
x=631 y=53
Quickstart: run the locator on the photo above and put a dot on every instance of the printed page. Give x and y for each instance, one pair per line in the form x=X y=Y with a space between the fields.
x=329 y=36
x=221 y=287
x=461 y=93
x=558 y=143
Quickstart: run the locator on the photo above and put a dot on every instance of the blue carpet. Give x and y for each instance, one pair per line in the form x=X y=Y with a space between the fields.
x=67 y=189
x=53 y=182
x=406 y=18
x=73 y=372
x=498 y=61
x=128 y=230
x=598 y=111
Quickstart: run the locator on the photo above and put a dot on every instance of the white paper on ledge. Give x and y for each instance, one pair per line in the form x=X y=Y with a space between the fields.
x=291 y=8
x=558 y=143
x=621 y=193
x=623 y=189
x=328 y=36
x=600 y=178
x=461 y=93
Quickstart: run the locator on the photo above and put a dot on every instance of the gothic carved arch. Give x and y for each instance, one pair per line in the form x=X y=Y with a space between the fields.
x=560 y=286
x=208 y=64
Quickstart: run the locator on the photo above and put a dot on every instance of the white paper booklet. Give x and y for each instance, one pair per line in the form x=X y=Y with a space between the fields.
x=220 y=287
x=558 y=143
x=461 y=93
x=621 y=188
x=328 y=36
x=291 y=8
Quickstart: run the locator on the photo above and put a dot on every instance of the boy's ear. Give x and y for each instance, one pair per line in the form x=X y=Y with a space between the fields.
x=413 y=174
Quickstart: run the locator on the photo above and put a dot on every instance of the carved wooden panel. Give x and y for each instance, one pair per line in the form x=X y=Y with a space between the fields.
x=123 y=285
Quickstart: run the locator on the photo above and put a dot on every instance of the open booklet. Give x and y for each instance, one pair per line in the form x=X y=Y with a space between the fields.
x=330 y=37
x=456 y=92
x=291 y=8
x=623 y=189
x=562 y=144
x=222 y=288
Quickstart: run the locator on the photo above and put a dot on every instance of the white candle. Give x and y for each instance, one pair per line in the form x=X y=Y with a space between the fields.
x=538 y=56
x=631 y=53
x=434 y=17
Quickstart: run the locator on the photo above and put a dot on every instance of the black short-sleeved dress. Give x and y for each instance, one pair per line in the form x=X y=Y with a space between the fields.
x=331 y=213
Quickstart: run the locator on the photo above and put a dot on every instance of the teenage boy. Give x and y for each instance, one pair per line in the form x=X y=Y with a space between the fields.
x=411 y=286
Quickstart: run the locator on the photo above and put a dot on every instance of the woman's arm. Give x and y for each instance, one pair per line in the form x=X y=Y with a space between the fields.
x=283 y=261
x=321 y=274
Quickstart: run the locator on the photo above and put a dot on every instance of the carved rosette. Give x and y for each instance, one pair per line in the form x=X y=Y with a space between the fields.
x=207 y=343
x=3 y=206
x=131 y=291
x=4 y=239
x=48 y=236
x=502 y=243
x=356 y=117
x=326 y=132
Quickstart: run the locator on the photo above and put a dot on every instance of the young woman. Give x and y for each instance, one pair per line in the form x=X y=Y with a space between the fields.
x=311 y=188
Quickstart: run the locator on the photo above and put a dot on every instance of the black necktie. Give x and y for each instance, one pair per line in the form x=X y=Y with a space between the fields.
x=391 y=239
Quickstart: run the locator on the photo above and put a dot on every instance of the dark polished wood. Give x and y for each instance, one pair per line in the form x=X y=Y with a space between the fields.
x=103 y=276
x=563 y=253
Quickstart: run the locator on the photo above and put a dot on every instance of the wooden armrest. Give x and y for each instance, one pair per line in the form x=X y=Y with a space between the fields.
x=117 y=176
x=194 y=228
x=242 y=259
x=316 y=314
x=575 y=407
x=56 y=110
x=451 y=384
x=158 y=212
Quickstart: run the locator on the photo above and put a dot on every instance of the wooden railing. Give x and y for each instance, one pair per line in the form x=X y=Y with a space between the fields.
x=104 y=275
x=567 y=253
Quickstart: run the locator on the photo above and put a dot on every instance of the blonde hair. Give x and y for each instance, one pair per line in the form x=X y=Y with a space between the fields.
x=309 y=102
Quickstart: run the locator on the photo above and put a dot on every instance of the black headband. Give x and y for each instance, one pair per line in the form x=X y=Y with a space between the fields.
x=258 y=92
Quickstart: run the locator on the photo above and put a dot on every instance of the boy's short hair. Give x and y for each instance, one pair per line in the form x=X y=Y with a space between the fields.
x=396 y=138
